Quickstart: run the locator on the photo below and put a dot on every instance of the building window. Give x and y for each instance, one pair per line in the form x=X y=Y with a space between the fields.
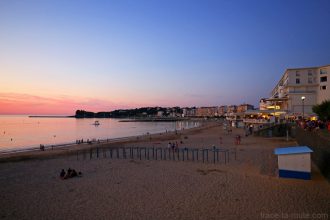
x=323 y=79
x=310 y=73
x=297 y=81
x=297 y=73
x=323 y=71
x=310 y=80
x=323 y=87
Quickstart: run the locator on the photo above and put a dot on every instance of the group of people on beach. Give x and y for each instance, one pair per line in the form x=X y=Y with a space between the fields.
x=89 y=141
x=174 y=146
x=311 y=125
x=69 y=174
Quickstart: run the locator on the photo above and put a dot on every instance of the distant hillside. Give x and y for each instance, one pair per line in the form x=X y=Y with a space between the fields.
x=127 y=113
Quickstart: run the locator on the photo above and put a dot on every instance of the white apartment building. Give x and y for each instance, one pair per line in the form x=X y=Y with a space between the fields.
x=299 y=89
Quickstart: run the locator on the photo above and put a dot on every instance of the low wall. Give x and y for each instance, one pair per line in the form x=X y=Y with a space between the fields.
x=321 y=147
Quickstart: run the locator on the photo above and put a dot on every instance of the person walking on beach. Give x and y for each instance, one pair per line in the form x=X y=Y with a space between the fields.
x=172 y=146
x=238 y=139
x=246 y=129
x=251 y=129
x=62 y=174
x=176 y=146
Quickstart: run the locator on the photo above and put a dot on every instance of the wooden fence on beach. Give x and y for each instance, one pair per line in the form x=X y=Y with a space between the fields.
x=205 y=155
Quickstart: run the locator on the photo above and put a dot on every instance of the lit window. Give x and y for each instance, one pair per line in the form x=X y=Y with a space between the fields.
x=323 y=87
x=323 y=79
x=297 y=81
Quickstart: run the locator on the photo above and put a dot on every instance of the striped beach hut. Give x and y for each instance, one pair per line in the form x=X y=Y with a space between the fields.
x=294 y=162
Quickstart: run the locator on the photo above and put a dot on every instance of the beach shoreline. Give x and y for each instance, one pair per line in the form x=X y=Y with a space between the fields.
x=69 y=148
x=247 y=187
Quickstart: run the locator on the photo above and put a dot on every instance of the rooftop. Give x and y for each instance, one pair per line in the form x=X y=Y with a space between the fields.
x=313 y=67
x=293 y=150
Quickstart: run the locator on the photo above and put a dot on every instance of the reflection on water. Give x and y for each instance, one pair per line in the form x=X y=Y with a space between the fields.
x=17 y=132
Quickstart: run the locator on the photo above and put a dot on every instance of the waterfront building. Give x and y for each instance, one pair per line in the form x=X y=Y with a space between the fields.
x=160 y=114
x=222 y=110
x=189 y=112
x=298 y=90
x=232 y=109
x=244 y=107
x=207 y=111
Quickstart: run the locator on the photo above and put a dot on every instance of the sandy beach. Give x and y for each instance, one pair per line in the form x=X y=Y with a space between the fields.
x=245 y=188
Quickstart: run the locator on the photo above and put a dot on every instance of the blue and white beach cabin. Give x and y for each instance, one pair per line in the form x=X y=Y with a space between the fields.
x=294 y=162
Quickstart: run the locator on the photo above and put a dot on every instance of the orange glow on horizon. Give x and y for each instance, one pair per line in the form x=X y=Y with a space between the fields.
x=17 y=103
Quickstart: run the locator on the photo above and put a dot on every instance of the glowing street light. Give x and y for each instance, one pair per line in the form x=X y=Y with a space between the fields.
x=303 y=106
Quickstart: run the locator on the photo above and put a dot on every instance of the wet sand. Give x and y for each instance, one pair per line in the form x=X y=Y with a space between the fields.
x=246 y=188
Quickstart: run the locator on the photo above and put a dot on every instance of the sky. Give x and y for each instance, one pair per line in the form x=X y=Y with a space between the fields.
x=60 y=56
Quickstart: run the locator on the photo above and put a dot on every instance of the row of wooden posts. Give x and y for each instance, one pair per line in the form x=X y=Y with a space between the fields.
x=206 y=155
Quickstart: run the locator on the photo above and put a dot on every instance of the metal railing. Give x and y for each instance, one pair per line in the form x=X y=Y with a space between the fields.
x=205 y=155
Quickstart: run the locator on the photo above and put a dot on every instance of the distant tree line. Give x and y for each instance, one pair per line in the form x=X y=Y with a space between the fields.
x=128 y=113
x=86 y=114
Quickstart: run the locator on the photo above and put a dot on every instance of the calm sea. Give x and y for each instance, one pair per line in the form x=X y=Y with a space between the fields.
x=23 y=132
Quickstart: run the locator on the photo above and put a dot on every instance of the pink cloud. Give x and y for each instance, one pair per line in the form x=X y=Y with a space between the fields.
x=18 y=103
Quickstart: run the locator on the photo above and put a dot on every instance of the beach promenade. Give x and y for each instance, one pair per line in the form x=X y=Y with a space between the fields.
x=245 y=188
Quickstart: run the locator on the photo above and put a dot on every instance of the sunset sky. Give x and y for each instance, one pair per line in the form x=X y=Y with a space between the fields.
x=59 y=56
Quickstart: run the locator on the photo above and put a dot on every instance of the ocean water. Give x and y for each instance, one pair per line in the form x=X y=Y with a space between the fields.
x=23 y=132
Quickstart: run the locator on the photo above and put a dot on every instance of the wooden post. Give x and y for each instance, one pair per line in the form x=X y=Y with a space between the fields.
x=203 y=156
x=90 y=153
x=207 y=155
x=97 y=152
x=213 y=154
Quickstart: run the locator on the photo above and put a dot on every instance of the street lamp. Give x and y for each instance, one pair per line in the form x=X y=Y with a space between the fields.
x=303 y=106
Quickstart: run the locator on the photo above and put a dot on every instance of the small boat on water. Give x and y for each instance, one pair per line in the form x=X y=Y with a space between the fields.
x=96 y=123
